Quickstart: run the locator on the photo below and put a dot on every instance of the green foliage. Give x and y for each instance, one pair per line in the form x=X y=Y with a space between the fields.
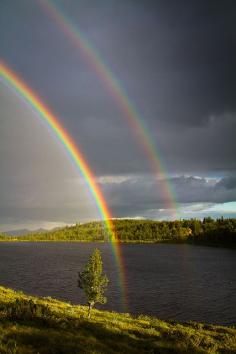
x=25 y=309
x=92 y=281
x=65 y=329
x=219 y=232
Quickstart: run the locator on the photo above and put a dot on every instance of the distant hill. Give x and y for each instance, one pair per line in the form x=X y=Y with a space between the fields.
x=17 y=232
x=27 y=231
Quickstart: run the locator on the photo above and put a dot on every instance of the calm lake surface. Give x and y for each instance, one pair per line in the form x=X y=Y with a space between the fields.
x=180 y=282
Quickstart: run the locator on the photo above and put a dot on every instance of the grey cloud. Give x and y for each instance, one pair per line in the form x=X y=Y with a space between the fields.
x=228 y=183
x=142 y=194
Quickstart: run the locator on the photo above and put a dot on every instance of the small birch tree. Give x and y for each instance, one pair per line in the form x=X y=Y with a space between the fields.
x=93 y=282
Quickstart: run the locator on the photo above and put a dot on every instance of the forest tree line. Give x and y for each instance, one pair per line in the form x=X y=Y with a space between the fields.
x=208 y=230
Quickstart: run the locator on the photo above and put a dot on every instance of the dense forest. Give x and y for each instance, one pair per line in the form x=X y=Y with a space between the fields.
x=220 y=231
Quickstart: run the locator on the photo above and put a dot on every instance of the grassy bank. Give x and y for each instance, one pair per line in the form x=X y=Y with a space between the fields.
x=43 y=325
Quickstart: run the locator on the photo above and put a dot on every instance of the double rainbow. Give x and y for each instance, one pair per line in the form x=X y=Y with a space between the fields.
x=14 y=82
x=115 y=89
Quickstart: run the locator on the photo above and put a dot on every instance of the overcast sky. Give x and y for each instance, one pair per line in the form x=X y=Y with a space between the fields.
x=175 y=59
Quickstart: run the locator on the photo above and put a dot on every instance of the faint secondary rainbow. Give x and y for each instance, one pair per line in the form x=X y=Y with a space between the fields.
x=14 y=82
x=120 y=95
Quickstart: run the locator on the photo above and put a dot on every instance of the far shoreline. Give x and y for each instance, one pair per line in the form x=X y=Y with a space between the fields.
x=161 y=242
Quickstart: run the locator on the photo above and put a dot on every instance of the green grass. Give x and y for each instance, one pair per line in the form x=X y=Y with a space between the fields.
x=58 y=327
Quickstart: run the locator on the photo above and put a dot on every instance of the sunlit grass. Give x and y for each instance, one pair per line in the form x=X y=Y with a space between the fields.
x=64 y=328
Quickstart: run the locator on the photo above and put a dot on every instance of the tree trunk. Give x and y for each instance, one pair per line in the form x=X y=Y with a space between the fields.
x=89 y=310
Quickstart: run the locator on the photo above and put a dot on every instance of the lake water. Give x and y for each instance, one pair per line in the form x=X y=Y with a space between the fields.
x=180 y=282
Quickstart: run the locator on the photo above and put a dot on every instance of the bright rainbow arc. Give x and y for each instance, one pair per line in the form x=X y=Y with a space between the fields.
x=116 y=90
x=13 y=81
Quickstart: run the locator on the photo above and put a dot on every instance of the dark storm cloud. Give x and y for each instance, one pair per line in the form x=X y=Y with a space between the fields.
x=175 y=59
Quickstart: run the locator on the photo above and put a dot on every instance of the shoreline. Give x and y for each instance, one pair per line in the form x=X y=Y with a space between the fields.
x=170 y=242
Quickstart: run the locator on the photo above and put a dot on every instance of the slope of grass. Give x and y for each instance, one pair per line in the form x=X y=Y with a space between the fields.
x=43 y=325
